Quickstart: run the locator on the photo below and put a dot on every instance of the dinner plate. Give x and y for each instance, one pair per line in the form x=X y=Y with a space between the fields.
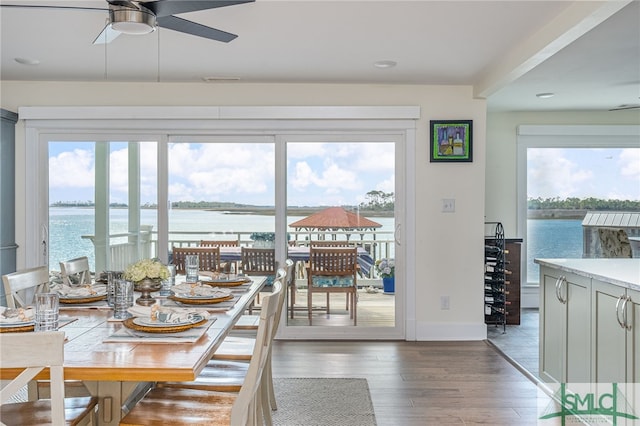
x=226 y=282
x=15 y=324
x=165 y=328
x=83 y=299
x=199 y=300
x=195 y=318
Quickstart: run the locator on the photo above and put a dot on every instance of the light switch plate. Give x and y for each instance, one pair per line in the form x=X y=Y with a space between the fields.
x=448 y=205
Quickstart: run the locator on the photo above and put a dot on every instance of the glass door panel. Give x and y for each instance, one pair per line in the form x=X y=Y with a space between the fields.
x=221 y=191
x=342 y=192
x=96 y=193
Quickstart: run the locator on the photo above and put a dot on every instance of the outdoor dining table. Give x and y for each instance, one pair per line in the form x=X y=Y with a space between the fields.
x=118 y=372
x=300 y=254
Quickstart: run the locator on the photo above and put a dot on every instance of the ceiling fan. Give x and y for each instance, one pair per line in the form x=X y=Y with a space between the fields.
x=142 y=17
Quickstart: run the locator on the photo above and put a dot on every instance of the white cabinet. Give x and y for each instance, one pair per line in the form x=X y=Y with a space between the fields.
x=616 y=335
x=565 y=326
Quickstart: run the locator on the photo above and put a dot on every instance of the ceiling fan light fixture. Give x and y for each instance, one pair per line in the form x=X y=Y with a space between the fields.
x=131 y=21
x=385 y=64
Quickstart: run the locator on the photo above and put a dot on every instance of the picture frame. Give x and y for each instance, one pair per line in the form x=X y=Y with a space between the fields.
x=451 y=141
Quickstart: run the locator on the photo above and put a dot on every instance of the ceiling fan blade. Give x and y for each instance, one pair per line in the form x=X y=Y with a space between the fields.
x=31 y=6
x=107 y=35
x=625 y=107
x=174 y=7
x=188 y=27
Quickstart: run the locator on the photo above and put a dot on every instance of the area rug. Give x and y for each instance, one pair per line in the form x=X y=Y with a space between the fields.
x=323 y=402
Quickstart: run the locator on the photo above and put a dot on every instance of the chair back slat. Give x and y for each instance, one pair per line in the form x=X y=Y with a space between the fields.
x=209 y=258
x=21 y=286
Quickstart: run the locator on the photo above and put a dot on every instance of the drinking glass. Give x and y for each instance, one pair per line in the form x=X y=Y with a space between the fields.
x=47 y=311
x=191 y=265
x=169 y=282
x=112 y=276
x=123 y=299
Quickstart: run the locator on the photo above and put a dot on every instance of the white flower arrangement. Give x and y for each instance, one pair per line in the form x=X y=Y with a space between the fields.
x=146 y=268
x=386 y=267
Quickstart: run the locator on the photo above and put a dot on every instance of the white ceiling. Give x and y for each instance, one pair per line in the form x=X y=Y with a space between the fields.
x=507 y=50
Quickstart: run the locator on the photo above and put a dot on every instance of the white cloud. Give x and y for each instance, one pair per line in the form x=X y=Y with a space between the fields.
x=552 y=175
x=72 y=169
x=629 y=162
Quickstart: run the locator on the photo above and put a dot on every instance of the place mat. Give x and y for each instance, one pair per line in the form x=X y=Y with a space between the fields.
x=168 y=328
x=17 y=328
x=128 y=335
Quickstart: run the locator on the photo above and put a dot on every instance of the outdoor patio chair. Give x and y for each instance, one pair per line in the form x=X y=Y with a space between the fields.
x=75 y=272
x=219 y=243
x=35 y=352
x=209 y=258
x=333 y=270
x=258 y=261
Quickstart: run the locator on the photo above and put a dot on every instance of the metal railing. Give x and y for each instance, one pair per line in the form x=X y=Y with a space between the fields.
x=125 y=247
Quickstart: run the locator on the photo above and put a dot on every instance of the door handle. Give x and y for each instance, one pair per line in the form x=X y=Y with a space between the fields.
x=559 y=282
x=621 y=320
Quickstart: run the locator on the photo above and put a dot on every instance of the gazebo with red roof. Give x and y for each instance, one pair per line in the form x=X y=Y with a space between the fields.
x=335 y=219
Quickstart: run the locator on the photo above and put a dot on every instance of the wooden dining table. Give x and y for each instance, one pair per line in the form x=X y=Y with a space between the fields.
x=120 y=372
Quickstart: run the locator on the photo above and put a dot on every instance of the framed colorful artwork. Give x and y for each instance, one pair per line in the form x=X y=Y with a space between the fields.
x=451 y=141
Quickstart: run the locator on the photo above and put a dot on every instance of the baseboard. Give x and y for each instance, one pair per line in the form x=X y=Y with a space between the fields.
x=530 y=296
x=450 y=331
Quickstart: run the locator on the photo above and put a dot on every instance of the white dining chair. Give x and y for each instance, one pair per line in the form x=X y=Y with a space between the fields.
x=21 y=286
x=75 y=272
x=34 y=352
x=185 y=405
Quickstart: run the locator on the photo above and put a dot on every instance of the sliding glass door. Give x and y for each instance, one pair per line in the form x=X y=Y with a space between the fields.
x=116 y=200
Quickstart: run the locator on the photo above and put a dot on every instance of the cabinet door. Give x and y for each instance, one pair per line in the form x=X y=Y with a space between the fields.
x=633 y=337
x=609 y=344
x=577 y=292
x=552 y=328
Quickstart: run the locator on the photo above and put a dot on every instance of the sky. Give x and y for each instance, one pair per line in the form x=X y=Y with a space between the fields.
x=582 y=173
x=318 y=173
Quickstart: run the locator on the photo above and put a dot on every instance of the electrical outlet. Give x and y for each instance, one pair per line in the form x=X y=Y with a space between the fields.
x=444 y=303
x=448 y=205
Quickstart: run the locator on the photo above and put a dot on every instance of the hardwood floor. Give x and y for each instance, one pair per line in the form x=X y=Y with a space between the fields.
x=420 y=383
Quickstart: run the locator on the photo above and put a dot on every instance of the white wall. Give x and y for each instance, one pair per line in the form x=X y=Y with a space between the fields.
x=449 y=246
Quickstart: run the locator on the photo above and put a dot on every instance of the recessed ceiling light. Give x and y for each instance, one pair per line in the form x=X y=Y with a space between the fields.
x=545 y=95
x=27 y=61
x=385 y=64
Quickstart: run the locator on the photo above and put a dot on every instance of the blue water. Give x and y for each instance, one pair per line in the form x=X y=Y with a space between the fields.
x=67 y=225
x=554 y=238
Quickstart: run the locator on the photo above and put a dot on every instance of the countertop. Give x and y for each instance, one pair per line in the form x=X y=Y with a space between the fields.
x=621 y=272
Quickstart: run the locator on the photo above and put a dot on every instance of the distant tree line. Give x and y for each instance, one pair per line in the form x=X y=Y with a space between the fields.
x=590 y=203
x=379 y=201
